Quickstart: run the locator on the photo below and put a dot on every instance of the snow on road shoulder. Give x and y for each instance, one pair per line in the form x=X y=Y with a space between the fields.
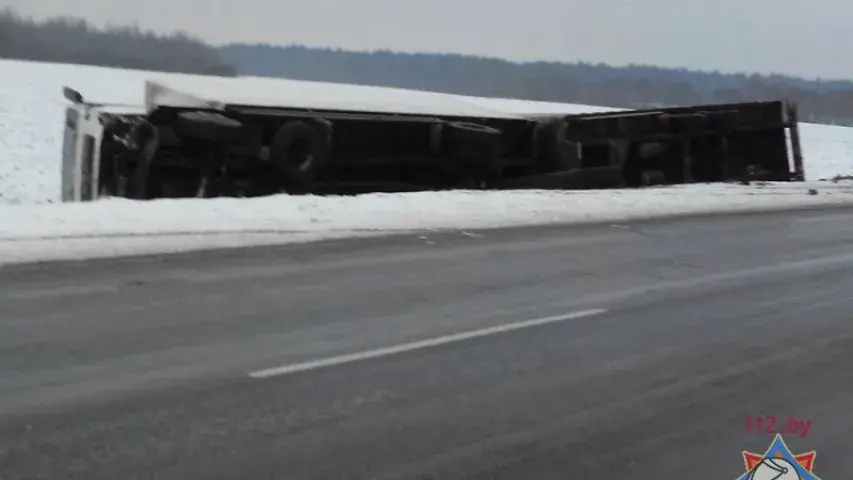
x=123 y=227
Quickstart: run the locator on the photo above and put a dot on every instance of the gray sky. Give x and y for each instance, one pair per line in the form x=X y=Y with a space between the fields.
x=802 y=37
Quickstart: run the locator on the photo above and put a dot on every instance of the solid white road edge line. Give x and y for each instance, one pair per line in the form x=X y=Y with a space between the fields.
x=420 y=344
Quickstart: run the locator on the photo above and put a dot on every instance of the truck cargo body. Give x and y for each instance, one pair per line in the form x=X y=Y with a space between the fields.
x=213 y=142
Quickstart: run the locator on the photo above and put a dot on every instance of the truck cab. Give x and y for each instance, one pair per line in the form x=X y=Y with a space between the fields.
x=90 y=129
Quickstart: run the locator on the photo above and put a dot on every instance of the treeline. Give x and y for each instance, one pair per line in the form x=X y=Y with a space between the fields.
x=634 y=86
x=72 y=40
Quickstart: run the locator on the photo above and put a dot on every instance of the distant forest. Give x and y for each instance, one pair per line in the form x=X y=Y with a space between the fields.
x=634 y=86
x=72 y=40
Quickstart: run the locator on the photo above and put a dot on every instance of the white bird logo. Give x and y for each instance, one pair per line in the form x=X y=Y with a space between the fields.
x=774 y=469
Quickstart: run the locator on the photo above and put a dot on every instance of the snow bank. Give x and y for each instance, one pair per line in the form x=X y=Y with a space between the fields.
x=121 y=227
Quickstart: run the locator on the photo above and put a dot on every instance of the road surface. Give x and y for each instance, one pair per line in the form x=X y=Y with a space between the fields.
x=615 y=351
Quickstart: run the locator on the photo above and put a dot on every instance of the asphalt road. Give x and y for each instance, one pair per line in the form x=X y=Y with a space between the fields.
x=616 y=351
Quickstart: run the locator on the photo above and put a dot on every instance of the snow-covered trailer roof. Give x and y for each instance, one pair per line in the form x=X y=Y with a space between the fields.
x=220 y=92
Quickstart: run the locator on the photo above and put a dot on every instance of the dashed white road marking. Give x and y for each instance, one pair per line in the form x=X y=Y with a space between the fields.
x=420 y=344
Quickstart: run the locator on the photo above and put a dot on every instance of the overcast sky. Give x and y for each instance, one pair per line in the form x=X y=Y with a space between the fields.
x=812 y=38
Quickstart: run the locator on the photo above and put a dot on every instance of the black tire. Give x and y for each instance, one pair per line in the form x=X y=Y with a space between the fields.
x=554 y=153
x=475 y=145
x=579 y=179
x=207 y=126
x=299 y=152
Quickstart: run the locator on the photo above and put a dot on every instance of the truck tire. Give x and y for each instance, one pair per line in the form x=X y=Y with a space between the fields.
x=474 y=144
x=299 y=152
x=207 y=126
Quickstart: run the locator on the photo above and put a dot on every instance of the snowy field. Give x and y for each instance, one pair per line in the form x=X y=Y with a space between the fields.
x=34 y=227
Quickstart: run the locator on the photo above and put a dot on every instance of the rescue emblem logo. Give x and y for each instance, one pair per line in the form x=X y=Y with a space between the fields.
x=778 y=463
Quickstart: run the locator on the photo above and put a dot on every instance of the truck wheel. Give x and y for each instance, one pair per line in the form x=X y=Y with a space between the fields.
x=207 y=126
x=298 y=153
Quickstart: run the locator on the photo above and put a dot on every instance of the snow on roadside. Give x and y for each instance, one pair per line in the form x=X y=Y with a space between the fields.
x=123 y=227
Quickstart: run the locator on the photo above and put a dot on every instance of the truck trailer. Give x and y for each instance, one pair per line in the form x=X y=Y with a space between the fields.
x=216 y=136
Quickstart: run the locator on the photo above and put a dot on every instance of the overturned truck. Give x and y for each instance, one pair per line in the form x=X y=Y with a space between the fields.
x=209 y=137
